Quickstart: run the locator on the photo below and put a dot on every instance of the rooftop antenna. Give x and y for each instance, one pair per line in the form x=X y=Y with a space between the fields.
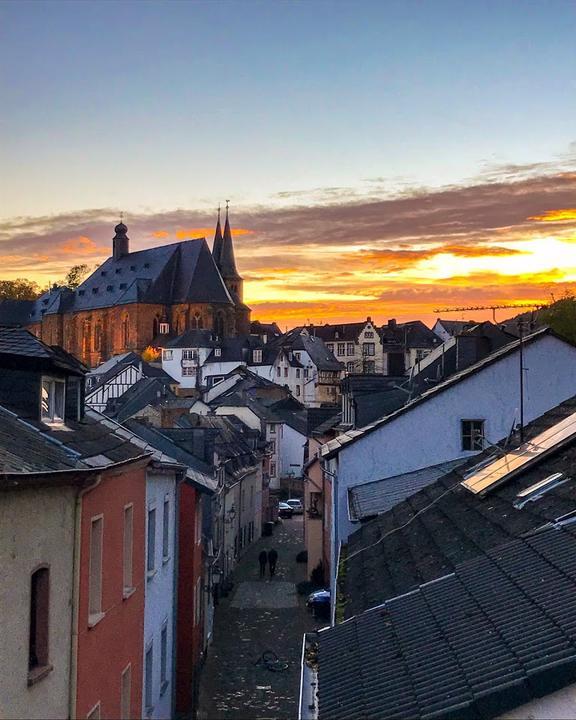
x=121 y=215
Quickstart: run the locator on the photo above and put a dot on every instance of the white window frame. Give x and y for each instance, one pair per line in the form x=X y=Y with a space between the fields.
x=50 y=417
x=95 y=590
x=164 y=328
x=150 y=544
x=217 y=352
x=166 y=529
x=167 y=355
x=128 y=553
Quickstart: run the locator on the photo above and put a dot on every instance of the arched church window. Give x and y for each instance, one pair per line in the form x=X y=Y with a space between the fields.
x=219 y=324
x=86 y=337
x=156 y=326
x=197 y=321
x=125 y=331
x=98 y=337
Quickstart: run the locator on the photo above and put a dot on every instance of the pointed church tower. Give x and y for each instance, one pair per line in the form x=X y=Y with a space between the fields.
x=224 y=257
x=217 y=247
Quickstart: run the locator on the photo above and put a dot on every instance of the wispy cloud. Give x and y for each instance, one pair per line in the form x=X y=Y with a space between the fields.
x=506 y=235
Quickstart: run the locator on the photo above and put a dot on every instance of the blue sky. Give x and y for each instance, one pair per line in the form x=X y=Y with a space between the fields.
x=151 y=106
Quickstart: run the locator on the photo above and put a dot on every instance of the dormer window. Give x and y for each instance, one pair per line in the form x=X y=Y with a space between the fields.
x=110 y=288
x=95 y=291
x=257 y=356
x=217 y=352
x=52 y=401
x=123 y=286
x=81 y=292
x=118 y=271
x=146 y=265
x=103 y=273
x=167 y=354
x=164 y=328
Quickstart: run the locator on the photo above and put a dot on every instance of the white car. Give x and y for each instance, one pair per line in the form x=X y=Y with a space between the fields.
x=296 y=505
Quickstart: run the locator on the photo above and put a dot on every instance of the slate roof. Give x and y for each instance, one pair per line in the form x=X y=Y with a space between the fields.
x=455 y=327
x=351 y=436
x=299 y=339
x=497 y=632
x=147 y=391
x=14 y=313
x=21 y=343
x=374 y=498
x=444 y=524
x=24 y=449
x=182 y=272
x=338 y=332
x=412 y=334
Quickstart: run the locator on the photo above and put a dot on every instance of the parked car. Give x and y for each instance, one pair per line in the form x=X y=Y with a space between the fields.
x=285 y=510
x=296 y=505
x=319 y=603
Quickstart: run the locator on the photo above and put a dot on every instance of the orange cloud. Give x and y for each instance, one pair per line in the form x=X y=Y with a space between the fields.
x=563 y=215
x=81 y=245
x=160 y=234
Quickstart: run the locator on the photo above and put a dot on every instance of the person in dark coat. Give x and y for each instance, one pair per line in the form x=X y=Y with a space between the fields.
x=263 y=559
x=272 y=560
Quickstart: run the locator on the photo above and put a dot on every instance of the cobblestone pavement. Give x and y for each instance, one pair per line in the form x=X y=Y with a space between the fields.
x=258 y=615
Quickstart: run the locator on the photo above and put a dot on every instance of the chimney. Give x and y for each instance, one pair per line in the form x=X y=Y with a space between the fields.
x=369 y=319
x=120 y=243
x=392 y=324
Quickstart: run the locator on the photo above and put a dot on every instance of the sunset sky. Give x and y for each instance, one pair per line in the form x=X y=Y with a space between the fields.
x=381 y=158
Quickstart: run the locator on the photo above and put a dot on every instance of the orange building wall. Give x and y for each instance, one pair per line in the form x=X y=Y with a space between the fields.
x=106 y=649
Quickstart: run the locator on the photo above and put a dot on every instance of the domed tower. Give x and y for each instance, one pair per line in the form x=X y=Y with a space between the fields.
x=121 y=242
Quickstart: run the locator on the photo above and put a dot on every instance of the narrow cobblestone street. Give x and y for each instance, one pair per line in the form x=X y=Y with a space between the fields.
x=259 y=616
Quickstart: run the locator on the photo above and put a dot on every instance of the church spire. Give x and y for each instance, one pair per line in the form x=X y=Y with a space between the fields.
x=226 y=262
x=217 y=247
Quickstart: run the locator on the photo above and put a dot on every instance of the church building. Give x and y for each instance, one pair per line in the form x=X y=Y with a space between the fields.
x=136 y=299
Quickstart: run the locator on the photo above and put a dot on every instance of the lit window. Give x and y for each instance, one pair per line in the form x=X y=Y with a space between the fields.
x=167 y=354
x=95 y=584
x=166 y=530
x=349 y=348
x=272 y=427
x=151 y=536
x=217 y=352
x=53 y=397
x=39 y=616
x=164 y=328
x=257 y=356
x=472 y=434
x=340 y=348
x=127 y=549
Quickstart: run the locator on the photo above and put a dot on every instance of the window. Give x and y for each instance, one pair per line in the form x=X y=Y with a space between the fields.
x=151 y=535
x=217 y=352
x=340 y=348
x=286 y=372
x=188 y=371
x=297 y=355
x=370 y=367
x=127 y=548
x=198 y=594
x=166 y=530
x=164 y=658
x=167 y=354
x=53 y=396
x=95 y=584
x=39 y=616
x=297 y=372
x=148 y=678
x=349 y=348
x=368 y=334
x=164 y=328
x=350 y=366
x=297 y=390
x=125 y=692
x=272 y=444
x=330 y=346
x=198 y=525
x=305 y=373
x=125 y=332
x=272 y=469
x=368 y=349
x=421 y=354
x=94 y=714
x=257 y=356
x=188 y=354
x=472 y=434
x=278 y=371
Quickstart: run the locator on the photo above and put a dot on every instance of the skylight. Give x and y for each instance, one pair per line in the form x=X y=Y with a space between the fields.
x=534 y=492
x=485 y=478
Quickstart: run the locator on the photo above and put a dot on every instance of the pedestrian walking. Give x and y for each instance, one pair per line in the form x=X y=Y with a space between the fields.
x=263 y=559
x=272 y=560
